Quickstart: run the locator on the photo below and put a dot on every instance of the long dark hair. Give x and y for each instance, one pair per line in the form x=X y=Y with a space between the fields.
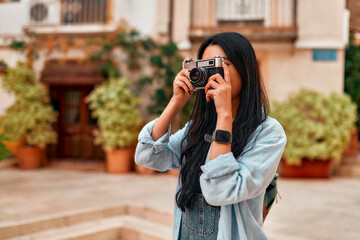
x=252 y=111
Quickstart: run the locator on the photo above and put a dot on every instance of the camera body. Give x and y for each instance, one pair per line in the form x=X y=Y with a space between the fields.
x=201 y=70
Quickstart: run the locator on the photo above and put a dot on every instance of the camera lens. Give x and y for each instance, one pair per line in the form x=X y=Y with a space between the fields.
x=198 y=77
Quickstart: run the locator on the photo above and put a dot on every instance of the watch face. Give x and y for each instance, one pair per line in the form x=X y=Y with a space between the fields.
x=222 y=136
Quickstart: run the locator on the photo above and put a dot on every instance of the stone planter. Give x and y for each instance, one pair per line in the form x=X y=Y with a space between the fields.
x=308 y=169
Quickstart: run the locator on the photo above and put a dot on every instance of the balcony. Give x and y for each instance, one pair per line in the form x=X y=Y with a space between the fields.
x=258 y=20
x=70 y=16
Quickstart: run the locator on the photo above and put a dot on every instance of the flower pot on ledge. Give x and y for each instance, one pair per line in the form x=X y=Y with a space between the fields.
x=308 y=169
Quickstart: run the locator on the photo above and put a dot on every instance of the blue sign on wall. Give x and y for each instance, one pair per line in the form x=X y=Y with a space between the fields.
x=324 y=54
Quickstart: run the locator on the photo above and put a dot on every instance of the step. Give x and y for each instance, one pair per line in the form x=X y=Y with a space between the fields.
x=8 y=163
x=38 y=224
x=348 y=171
x=79 y=164
x=124 y=227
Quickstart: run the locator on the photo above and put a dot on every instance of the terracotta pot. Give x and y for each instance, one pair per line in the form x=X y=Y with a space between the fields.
x=308 y=169
x=174 y=172
x=29 y=157
x=119 y=160
x=353 y=145
x=143 y=170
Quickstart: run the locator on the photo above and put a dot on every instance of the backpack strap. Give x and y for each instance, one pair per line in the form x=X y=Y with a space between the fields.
x=270 y=196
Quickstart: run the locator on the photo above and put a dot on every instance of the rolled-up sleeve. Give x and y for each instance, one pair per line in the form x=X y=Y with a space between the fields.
x=227 y=180
x=162 y=154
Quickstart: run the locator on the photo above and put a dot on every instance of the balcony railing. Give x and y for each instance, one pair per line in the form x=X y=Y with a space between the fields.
x=258 y=20
x=68 y=12
x=266 y=13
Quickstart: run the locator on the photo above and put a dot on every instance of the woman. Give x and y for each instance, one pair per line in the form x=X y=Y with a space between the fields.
x=221 y=183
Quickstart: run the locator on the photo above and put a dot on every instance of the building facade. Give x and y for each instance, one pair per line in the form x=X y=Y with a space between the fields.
x=299 y=43
x=354 y=8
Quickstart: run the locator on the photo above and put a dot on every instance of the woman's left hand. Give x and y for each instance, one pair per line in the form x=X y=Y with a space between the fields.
x=219 y=89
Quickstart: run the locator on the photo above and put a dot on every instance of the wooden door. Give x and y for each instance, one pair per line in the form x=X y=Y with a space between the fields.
x=75 y=124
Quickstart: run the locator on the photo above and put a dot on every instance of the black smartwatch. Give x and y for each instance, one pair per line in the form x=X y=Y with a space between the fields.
x=220 y=136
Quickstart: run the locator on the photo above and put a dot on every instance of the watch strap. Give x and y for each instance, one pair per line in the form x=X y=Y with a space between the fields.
x=209 y=138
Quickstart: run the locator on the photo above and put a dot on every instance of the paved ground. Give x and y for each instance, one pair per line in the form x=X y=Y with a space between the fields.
x=309 y=209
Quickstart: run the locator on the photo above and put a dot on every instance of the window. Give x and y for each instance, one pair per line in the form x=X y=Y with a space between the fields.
x=244 y=12
x=324 y=54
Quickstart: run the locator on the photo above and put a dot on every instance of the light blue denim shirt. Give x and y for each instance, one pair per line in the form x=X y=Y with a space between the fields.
x=236 y=184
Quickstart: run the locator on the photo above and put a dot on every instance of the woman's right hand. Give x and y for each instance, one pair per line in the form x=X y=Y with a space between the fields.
x=182 y=87
x=183 y=90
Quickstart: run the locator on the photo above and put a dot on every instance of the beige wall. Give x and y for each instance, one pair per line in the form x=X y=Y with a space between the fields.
x=289 y=67
x=10 y=56
x=138 y=13
x=321 y=23
x=286 y=70
x=13 y=17
x=181 y=22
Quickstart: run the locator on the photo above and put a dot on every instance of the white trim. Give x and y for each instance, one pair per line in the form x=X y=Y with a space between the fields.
x=72 y=29
x=320 y=44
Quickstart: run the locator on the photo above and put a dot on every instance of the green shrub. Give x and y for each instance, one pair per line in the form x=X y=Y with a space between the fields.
x=352 y=75
x=4 y=153
x=31 y=117
x=317 y=126
x=115 y=107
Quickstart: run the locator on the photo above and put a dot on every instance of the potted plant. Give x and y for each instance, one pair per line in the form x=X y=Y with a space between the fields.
x=115 y=107
x=318 y=128
x=30 y=118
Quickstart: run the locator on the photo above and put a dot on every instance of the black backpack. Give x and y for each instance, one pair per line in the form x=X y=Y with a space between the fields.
x=270 y=196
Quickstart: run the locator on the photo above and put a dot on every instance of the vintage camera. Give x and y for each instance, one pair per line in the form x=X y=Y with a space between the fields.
x=201 y=70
